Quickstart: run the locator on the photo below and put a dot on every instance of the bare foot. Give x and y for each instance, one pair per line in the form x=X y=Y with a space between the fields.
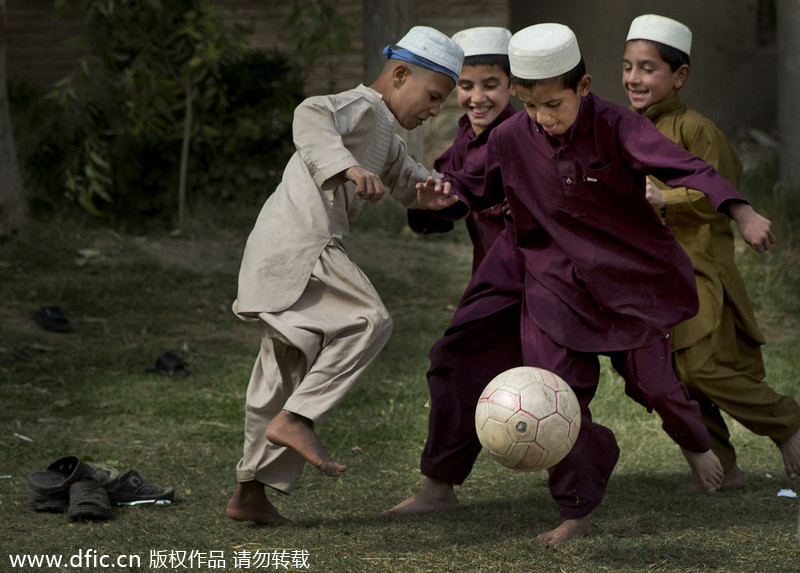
x=791 y=455
x=734 y=479
x=249 y=503
x=706 y=469
x=294 y=431
x=433 y=496
x=570 y=529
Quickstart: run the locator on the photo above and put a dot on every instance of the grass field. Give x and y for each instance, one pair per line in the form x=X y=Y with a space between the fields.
x=86 y=393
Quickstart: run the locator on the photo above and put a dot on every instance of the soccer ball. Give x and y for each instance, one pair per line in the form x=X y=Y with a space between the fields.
x=528 y=418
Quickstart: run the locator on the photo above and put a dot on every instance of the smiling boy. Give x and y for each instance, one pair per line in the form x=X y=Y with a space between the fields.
x=483 y=337
x=484 y=92
x=717 y=353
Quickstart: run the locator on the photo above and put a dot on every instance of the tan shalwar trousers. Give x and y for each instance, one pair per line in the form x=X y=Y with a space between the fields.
x=725 y=372
x=311 y=355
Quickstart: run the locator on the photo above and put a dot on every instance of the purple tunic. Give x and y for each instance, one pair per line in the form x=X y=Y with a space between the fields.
x=483 y=226
x=484 y=336
x=602 y=272
x=602 y=275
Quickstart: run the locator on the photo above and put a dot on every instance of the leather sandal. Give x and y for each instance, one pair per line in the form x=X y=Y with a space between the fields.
x=49 y=489
x=88 y=500
x=53 y=318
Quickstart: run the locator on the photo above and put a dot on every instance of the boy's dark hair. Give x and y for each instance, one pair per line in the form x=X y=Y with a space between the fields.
x=569 y=80
x=499 y=60
x=673 y=56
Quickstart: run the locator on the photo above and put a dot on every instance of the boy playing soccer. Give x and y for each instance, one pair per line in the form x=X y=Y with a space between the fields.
x=484 y=93
x=322 y=321
x=717 y=352
x=483 y=337
x=602 y=274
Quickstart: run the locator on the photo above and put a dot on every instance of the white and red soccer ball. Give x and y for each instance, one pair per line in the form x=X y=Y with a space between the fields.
x=528 y=418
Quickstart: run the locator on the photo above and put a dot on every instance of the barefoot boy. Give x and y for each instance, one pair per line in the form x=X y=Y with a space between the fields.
x=602 y=274
x=322 y=322
x=483 y=337
x=716 y=353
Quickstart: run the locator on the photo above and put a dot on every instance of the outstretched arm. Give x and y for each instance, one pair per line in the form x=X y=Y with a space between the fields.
x=434 y=194
x=755 y=229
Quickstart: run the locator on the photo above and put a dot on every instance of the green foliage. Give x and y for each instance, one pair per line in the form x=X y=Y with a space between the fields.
x=166 y=91
x=316 y=29
x=779 y=202
x=253 y=138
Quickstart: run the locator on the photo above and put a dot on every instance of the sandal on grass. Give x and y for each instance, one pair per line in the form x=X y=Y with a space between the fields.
x=104 y=473
x=170 y=363
x=49 y=489
x=88 y=500
x=131 y=489
x=53 y=318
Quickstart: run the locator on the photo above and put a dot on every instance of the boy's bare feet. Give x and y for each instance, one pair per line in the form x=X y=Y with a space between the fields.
x=706 y=469
x=249 y=503
x=734 y=479
x=294 y=431
x=570 y=529
x=433 y=496
x=791 y=455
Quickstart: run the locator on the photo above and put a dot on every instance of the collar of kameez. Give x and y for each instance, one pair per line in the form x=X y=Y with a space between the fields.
x=665 y=107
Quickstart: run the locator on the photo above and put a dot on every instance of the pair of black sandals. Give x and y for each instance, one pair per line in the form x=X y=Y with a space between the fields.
x=88 y=490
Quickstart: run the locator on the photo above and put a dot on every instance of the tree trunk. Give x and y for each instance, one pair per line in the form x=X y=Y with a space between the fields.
x=187 y=139
x=385 y=22
x=13 y=207
x=788 y=23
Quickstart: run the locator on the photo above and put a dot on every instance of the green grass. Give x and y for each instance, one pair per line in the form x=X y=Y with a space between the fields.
x=86 y=393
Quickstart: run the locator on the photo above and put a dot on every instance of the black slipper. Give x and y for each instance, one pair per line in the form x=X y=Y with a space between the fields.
x=170 y=363
x=49 y=489
x=53 y=318
x=88 y=500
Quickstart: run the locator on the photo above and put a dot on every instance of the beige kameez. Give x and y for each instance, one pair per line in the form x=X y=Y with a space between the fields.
x=322 y=321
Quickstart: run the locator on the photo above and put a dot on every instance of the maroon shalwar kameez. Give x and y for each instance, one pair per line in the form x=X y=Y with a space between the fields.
x=482 y=341
x=602 y=274
x=483 y=337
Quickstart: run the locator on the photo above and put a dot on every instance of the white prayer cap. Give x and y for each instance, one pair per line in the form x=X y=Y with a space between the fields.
x=434 y=46
x=484 y=40
x=543 y=51
x=661 y=29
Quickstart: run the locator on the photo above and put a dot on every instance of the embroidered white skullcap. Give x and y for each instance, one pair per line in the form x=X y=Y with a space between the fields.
x=434 y=46
x=483 y=40
x=543 y=51
x=661 y=29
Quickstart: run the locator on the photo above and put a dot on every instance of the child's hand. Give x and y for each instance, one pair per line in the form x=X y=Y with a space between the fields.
x=654 y=195
x=435 y=195
x=368 y=185
x=503 y=208
x=755 y=229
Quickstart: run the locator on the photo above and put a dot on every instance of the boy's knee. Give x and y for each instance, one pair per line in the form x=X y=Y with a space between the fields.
x=378 y=324
x=384 y=324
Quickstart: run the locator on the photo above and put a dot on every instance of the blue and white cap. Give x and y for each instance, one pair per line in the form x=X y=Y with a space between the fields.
x=429 y=48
